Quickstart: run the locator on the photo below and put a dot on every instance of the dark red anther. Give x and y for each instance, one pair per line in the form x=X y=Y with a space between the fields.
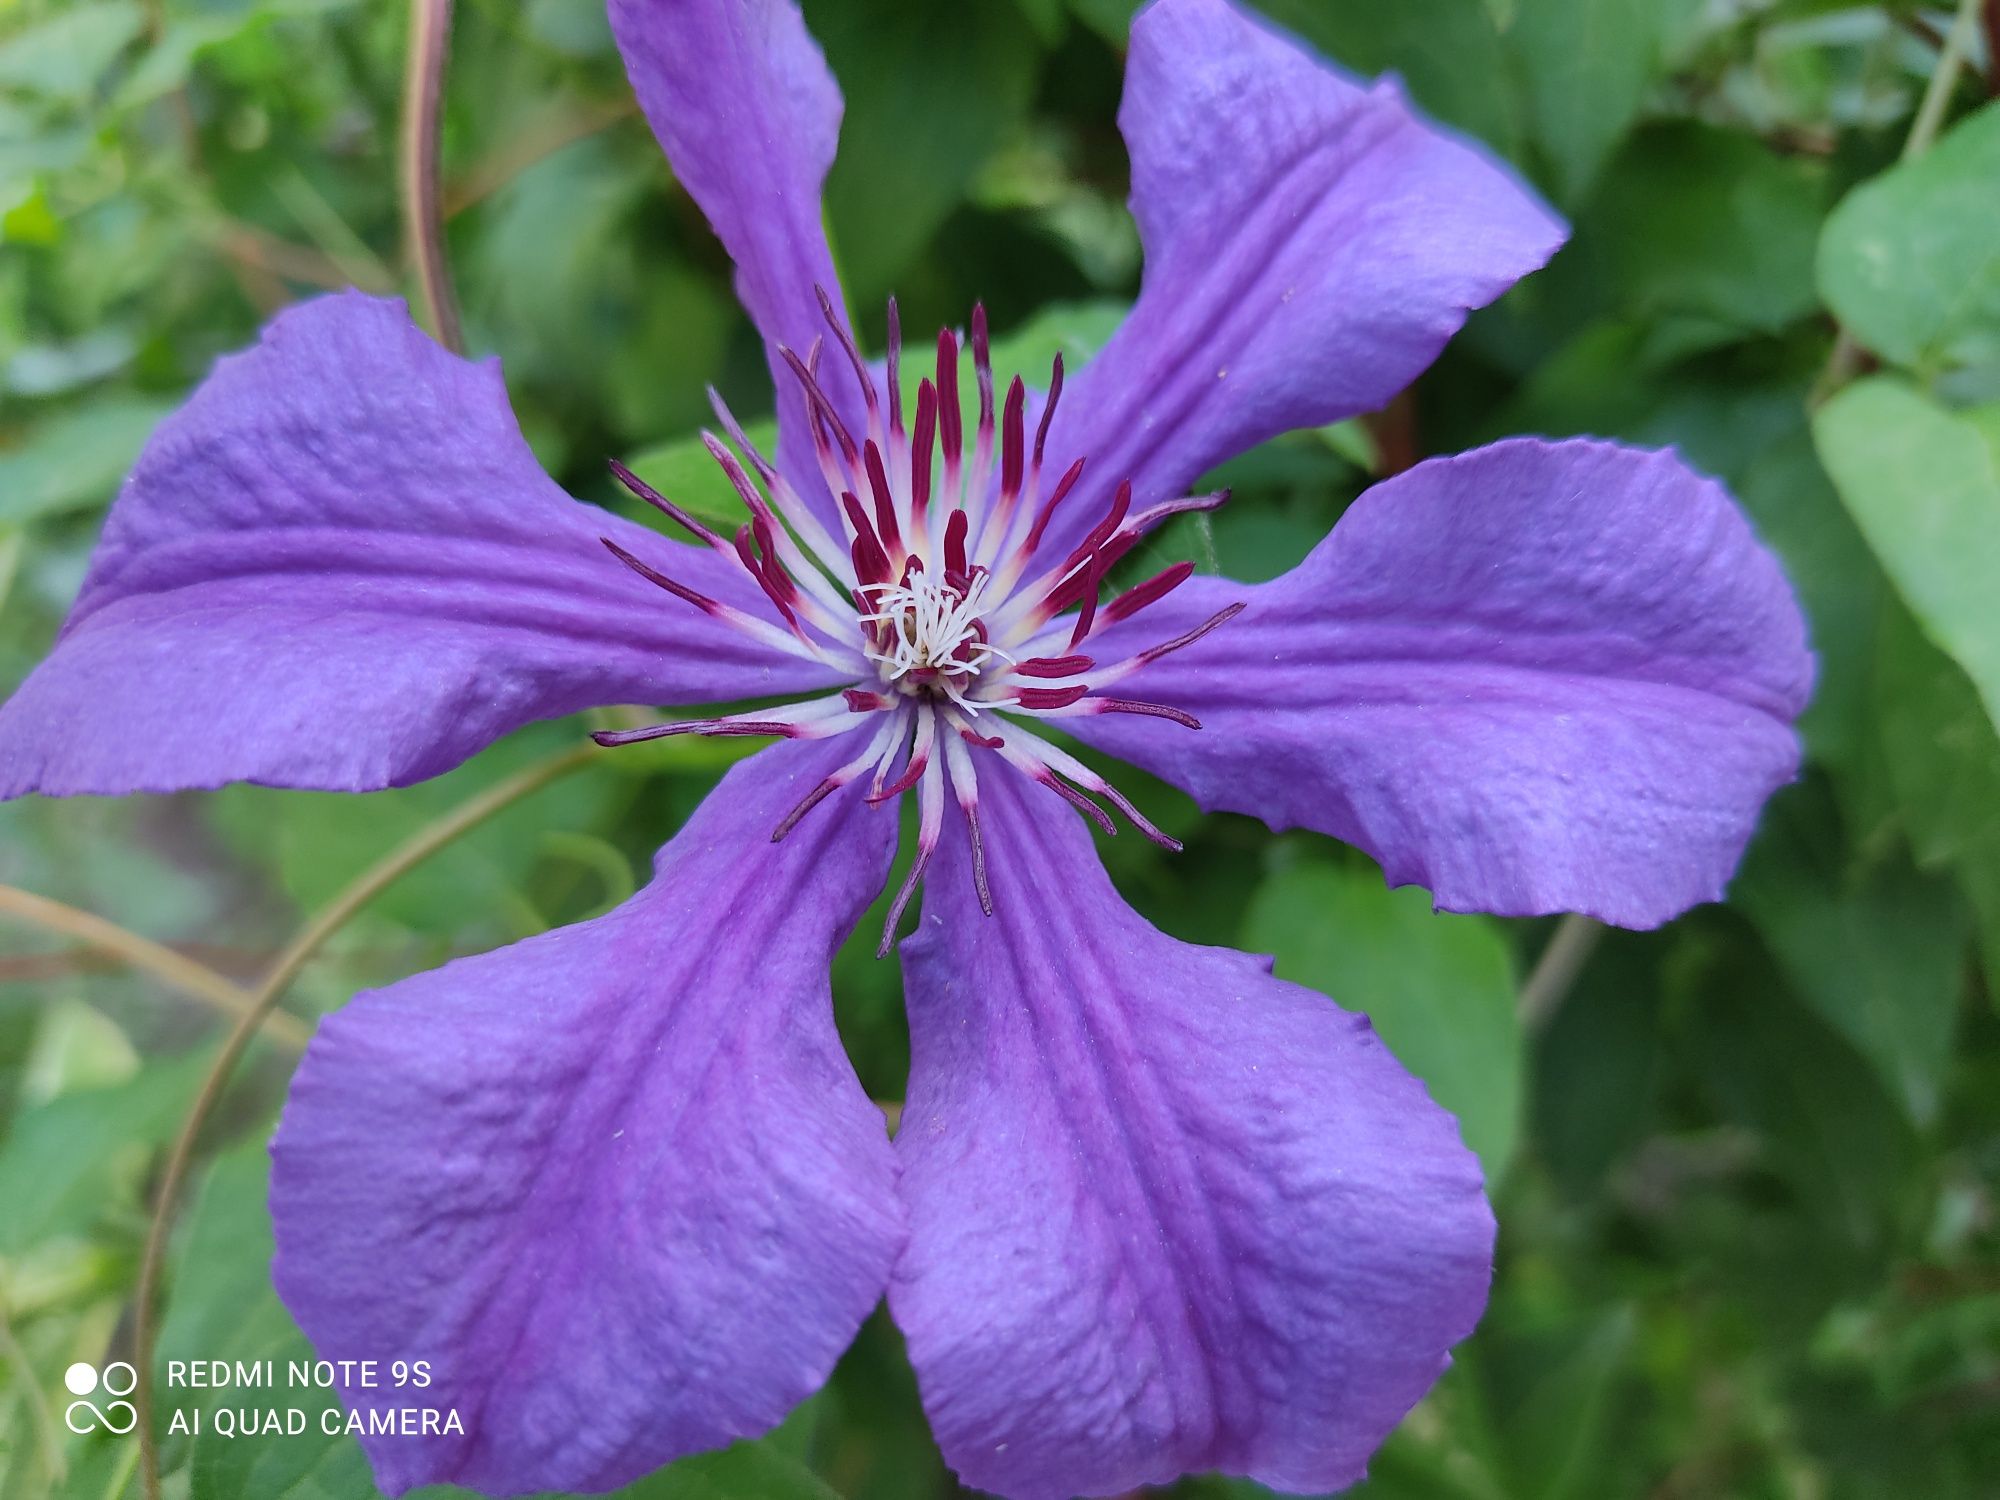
x=1101 y=532
x=1061 y=697
x=978 y=857
x=838 y=324
x=920 y=447
x=1220 y=617
x=1077 y=800
x=909 y=778
x=862 y=702
x=1151 y=591
x=1056 y=497
x=1048 y=410
x=660 y=580
x=1087 y=616
x=660 y=503
x=753 y=501
x=1150 y=710
x=824 y=418
x=777 y=589
x=1013 y=440
x=951 y=420
x=811 y=800
x=895 y=363
x=984 y=741
x=885 y=503
x=715 y=728
x=954 y=544
x=1053 y=666
x=982 y=365
x=871 y=563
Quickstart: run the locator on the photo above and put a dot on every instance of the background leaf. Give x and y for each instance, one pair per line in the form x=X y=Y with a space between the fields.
x=1909 y=262
x=1437 y=986
x=1924 y=487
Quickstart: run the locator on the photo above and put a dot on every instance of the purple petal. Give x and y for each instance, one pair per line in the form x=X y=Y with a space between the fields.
x=740 y=97
x=1167 y=1213
x=617 y=1183
x=1311 y=244
x=1537 y=677
x=339 y=566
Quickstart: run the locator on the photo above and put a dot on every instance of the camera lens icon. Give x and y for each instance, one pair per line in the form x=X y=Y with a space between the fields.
x=117 y=1379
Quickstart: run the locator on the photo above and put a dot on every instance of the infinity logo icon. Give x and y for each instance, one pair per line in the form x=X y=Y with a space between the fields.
x=118 y=1417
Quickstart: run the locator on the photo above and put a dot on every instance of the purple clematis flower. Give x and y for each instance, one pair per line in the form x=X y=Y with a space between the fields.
x=1149 y=1210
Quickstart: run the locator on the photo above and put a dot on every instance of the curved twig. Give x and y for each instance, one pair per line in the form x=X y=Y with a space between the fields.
x=423 y=221
x=173 y=969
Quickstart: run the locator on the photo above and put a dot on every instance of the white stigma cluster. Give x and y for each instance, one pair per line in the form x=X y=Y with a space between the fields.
x=934 y=631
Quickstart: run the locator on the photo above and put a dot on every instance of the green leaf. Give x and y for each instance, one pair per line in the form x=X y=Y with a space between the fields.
x=1943 y=760
x=1439 y=987
x=1075 y=330
x=220 y=1304
x=1877 y=948
x=1447 y=51
x=685 y=472
x=1823 y=1119
x=1909 y=261
x=74 y=461
x=1924 y=487
x=931 y=92
x=1789 y=497
x=1588 y=65
x=1709 y=223
x=60 y=1160
x=64 y=55
x=1554 y=1430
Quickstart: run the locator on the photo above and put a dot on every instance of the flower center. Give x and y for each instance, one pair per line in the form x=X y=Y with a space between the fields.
x=925 y=634
x=927 y=585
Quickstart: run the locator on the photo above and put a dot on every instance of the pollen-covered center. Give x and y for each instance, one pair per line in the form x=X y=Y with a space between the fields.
x=926 y=634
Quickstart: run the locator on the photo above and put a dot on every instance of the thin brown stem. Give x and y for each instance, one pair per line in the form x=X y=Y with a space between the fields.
x=1990 y=19
x=1568 y=950
x=363 y=889
x=41 y=1418
x=1937 y=93
x=175 y=970
x=423 y=224
x=534 y=144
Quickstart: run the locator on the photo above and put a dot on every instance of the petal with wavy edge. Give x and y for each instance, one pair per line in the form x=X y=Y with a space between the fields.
x=1536 y=677
x=617 y=1183
x=740 y=97
x=340 y=567
x=1311 y=244
x=1167 y=1213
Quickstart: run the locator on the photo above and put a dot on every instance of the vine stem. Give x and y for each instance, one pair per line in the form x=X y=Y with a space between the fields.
x=363 y=889
x=1568 y=950
x=423 y=219
x=1937 y=93
x=1845 y=360
x=173 y=969
x=41 y=1417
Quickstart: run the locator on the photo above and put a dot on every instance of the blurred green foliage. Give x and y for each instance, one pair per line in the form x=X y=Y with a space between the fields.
x=1745 y=1171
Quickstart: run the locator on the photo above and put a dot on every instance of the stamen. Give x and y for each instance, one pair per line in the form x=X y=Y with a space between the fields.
x=930 y=822
x=665 y=506
x=928 y=623
x=878 y=747
x=895 y=370
x=860 y=366
x=965 y=786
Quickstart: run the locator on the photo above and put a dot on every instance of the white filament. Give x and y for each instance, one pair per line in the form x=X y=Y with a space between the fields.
x=931 y=625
